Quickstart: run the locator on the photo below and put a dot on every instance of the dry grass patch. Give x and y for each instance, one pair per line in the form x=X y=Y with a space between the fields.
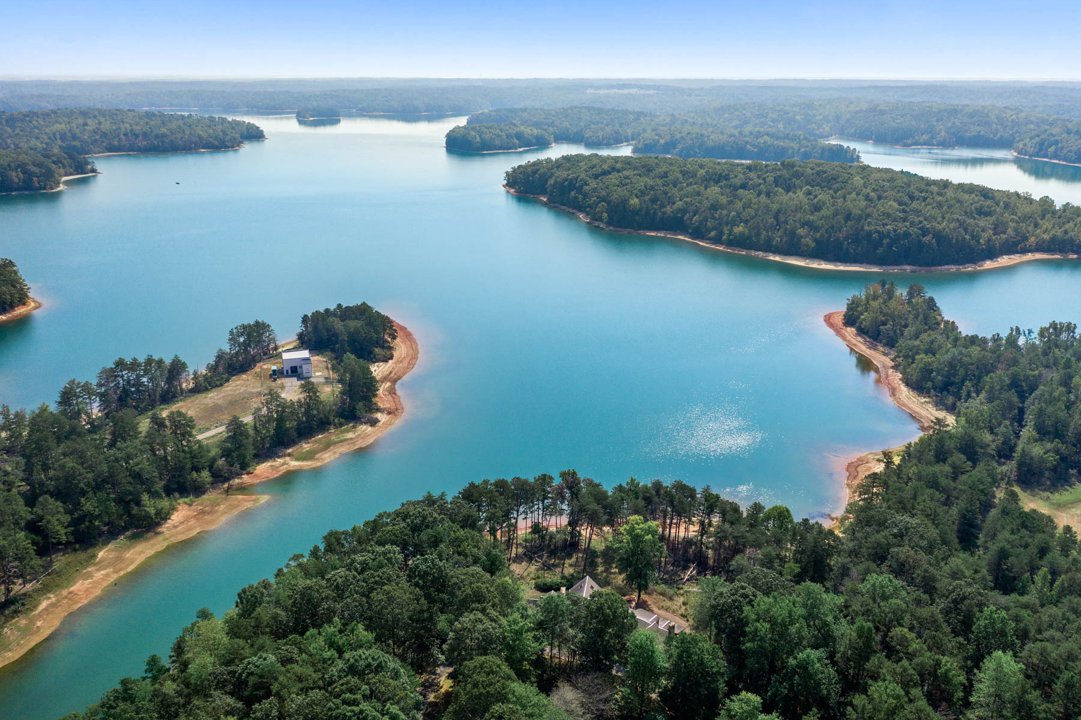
x=242 y=394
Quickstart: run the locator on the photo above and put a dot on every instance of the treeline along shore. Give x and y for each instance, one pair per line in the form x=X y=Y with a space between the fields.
x=147 y=481
x=816 y=214
x=15 y=300
x=775 y=130
x=40 y=148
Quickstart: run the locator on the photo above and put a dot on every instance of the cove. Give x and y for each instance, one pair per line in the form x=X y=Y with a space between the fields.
x=545 y=344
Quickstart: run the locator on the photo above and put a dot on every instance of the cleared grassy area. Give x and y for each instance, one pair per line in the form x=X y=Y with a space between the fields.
x=242 y=394
x=311 y=450
x=1063 y=505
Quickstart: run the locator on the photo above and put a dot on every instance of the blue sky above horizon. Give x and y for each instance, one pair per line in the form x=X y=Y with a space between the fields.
x=917 y=39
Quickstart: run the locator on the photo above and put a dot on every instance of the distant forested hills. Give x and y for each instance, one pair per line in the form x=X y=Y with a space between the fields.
x=38 y=148
x=827 y=211
x=373 y=95
x=649 y=133
x=773 y=131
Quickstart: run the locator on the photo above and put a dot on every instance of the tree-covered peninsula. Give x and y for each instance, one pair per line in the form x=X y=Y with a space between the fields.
x=513 y=129
x=1015 y=394
x=497 y=138
x=14 y=292
x=39 y=148
x=113 y=455
x=791 y=129
x=825 y=211
x=942 y=597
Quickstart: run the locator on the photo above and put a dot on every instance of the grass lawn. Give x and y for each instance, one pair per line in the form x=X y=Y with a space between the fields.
x=1063 y=505
x=242 y=394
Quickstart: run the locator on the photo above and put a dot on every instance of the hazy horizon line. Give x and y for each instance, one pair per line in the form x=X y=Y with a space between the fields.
x=533 y=78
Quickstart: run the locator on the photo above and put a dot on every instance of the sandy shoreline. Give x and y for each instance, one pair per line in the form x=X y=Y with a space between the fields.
x=20 y=312
x=499 y=152
x=1046 y=160
x=921 y=408
x=58 y=188
x=994 y=264
x=205 y=513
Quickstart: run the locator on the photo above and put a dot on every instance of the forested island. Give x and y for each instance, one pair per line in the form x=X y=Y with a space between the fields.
x=39 y=148
x=14 y=292
x=112 y=456
x=319 y=116
x=825 y=211
x=497 y=138
x=779 y=130
x=518 y=129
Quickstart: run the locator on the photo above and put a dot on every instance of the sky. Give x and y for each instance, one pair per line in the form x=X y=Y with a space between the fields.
x=910 y=39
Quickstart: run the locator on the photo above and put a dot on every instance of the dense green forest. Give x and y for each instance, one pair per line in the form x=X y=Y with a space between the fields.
x=38 y=148
x=772 y=131
x=1016 y=394
x=902 y=616
x=325 y=113
x=908 y=124
x=14 y=292
x=360 y=330
x=111 y=457
x=827 y=211
x=941 y=597
x=497 y=138
x=649 y=134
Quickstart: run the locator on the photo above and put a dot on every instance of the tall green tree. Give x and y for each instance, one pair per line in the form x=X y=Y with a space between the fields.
x=604 y=627
x=644 y=673
x=236 y=446
x=1000 y=690
x=696 y=677
x=358 y=387
x=638 y=550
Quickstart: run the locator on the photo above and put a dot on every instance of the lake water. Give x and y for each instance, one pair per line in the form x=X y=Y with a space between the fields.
x=545 y=344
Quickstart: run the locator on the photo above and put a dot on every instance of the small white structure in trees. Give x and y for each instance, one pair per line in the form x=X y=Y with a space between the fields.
x=297 y=364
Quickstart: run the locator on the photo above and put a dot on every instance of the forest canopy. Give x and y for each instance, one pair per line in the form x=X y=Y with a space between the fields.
x=39 y=148
x=14 y=292
x=783 y=130
x=826 y=211
x=647 y=132
x=1016 y=394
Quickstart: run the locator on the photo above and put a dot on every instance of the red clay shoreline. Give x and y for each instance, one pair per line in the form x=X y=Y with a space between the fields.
x=20 y=312
x=207 y=512
x=993 y=264
x=922 y=409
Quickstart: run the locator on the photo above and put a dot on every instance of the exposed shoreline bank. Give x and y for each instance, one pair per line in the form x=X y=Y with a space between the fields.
x=459 y=151
x=993 y=264
x=20 y=312
x=207 y=512
x=65 y=178
x=921 y=408
x=1043 y=159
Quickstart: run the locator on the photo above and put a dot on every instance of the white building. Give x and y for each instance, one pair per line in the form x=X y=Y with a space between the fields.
x=297 y=364
x=647 y=619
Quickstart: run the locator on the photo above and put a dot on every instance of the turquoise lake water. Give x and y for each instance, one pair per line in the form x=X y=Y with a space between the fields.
x=545 y=344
